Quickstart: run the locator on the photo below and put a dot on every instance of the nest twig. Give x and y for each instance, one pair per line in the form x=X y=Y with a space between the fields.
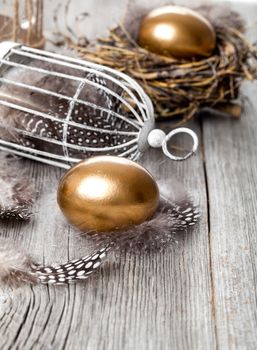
x=179 y=88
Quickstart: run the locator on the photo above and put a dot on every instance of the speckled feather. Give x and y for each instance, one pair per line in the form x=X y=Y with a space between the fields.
x=156 y=233
x=17 y=267
x=74 y=270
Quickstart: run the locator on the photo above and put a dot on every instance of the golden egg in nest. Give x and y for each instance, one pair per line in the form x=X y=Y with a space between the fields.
x=177 y=32
x=107 y=193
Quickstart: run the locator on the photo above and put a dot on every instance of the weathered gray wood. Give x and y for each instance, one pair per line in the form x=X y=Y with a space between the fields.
x=154 y=301
x=231 y=163
x=201 y=294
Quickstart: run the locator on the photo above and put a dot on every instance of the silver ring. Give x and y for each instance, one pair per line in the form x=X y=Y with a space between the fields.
x=175 y=132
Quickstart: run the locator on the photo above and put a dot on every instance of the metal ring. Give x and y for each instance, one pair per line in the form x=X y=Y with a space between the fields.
x=178 y=131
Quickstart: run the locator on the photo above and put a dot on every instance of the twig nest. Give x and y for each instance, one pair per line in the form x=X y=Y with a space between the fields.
x=178 y=32
x=179 y=88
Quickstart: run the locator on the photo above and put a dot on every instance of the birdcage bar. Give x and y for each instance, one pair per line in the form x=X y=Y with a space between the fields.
x=127 y=81
x=124 y=111
x=62 y=75
x=47 y=158
x=20 y=147
x=34 y=151
x=78 y=79
x=69 y=98
x=130 y=150
x=70 y=145
x=71 y=123
x=53 y=118
x=48 y=161
x=67 y=119
x=96 y=72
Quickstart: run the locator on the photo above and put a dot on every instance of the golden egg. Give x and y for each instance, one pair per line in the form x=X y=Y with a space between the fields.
x=177 y=32
x=106 y=193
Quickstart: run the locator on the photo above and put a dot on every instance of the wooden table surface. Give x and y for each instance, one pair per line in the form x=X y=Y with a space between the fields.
x=200 y=294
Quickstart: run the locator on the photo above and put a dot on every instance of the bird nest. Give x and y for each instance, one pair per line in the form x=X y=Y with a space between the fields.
x=179 y=88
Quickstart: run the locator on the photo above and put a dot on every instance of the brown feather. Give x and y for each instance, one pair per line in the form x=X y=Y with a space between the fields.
x=15 y=265
x=156 y=233
x=17 y=193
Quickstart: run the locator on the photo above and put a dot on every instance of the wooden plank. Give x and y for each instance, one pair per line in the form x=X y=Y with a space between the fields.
x=152 y=301
x=230 y=153
x=201 y=294
x=161 y=300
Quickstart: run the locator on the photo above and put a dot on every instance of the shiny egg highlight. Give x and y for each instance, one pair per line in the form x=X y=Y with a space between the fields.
x=177 y=32
x=107 y=193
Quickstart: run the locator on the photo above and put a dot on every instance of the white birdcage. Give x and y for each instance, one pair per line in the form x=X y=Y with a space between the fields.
x=59 y=110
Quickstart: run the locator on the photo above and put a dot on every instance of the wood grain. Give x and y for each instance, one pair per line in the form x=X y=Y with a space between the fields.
x=199 y=294
x=153 y=301
x=230 y=153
